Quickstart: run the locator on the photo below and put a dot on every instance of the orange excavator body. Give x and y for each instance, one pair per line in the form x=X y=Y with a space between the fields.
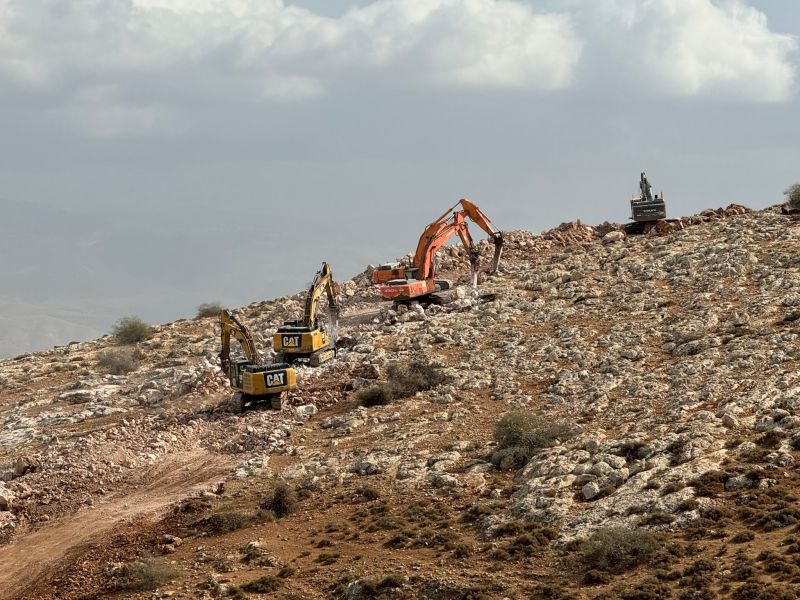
x=403 y=283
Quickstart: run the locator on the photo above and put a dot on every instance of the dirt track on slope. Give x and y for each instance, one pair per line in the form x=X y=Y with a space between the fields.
x=25 y=561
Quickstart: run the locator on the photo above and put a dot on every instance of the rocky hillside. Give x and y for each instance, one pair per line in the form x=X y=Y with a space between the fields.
x=608 y=417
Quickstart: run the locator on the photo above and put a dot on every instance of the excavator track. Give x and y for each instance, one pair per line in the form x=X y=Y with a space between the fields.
x=321 y=356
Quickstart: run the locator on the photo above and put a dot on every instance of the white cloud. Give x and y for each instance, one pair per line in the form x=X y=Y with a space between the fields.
x=470 y=42
x=688 y=48
x=124 y=66
x=99 y=112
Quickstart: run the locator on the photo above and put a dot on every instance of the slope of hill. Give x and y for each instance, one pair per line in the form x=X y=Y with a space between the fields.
x=652 y=381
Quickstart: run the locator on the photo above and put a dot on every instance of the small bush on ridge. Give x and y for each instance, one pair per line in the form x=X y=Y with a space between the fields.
x=130 y=330
x=147 y=574
x=520 y=434
x=617 y=549
x=282 y=501
x=402 y=380
x=793 y=195
x=118 y=362
x=209 y=309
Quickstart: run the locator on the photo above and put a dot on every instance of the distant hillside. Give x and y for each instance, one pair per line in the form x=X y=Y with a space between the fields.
x=26 y=327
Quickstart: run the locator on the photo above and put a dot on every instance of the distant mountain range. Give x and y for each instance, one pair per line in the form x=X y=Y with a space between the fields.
x=25 y=327
x=70 y=272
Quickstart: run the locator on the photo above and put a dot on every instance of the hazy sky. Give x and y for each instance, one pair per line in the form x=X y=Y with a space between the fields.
x=156 y=154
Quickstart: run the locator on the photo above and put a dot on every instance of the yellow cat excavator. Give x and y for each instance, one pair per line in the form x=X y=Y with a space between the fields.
x=306 y=338
x=252 y=380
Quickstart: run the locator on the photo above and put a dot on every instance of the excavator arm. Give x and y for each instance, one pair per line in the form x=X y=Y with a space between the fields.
x=323 y=282
x=482 y=221
x=444 y=227
x=231 y=327
x=456 y=225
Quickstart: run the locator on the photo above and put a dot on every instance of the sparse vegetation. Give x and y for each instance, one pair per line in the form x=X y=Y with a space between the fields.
x=286 y=571
x=282 y=500
x=372 y=589
x=130 y=330
x=375 y=395
x=742 y=537
x=710 y=483
x=672 y=487
x=595 y=578
x=462 y=550
x=402 y=380
x=142 y=575
x=367 y=493
x=192 y=505
x=793 y=195
x=223 y=522
x=617 y=549
x=209 y=309
x=118 y=362
x=263 y=585
x=520 y=434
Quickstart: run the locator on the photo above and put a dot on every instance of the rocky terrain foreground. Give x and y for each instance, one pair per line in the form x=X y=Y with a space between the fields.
x=660 y=373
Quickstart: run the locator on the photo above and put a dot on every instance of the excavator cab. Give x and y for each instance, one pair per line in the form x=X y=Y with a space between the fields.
x=646 y=208
x=387 y=272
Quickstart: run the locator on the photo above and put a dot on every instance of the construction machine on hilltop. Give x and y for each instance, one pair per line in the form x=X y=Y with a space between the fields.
x=253 y=381
x=646 y=209
x=306 y=338
x=418 y=281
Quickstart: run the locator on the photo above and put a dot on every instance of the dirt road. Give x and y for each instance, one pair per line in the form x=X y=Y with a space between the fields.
x=30 y=557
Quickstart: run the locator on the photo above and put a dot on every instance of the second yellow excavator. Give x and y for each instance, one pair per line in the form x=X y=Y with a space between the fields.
x=251 y=379
x=306 y=338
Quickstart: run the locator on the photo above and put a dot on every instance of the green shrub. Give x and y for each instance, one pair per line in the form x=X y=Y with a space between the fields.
x=367 y=493
x=410 y=378
x=263 y=585
x=223 y=522
x=520 y=434
x=192 y=505
x=209 y=309
x=129 y=330
x=375 y=395
x=793 y=195
x=282 y=500
x=147 y=574
x=402 y=380
x=286 y=571
x=617 y=549
x=118 y=362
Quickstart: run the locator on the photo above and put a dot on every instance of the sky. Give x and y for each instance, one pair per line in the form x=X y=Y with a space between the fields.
x=158 y=154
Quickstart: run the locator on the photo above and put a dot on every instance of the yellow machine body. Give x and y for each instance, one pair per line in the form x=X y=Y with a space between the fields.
x=268 y=382
x=299 y=340
x=265 y=380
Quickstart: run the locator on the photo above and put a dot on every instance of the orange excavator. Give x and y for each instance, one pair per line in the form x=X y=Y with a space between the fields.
x=418 y=281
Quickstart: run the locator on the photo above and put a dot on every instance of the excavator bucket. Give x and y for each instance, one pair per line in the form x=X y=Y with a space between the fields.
x=498 y=252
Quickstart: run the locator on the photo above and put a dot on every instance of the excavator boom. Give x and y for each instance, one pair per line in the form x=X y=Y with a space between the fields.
x=231 y=327
x=323 y=282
